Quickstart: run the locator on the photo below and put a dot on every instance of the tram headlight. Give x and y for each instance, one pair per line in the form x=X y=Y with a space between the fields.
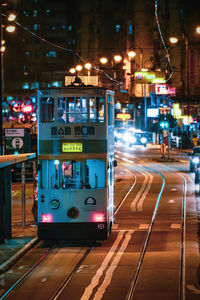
x=195 y=160
x=143 y=140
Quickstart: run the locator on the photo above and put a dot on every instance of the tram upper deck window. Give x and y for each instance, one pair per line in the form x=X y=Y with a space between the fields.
x=47 y=109
x=97 y=110
x=72 y=110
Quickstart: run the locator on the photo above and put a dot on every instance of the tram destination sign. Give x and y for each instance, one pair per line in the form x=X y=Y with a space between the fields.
x=72 y=147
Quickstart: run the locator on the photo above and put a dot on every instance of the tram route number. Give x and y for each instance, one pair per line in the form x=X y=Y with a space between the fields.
x=101 y=226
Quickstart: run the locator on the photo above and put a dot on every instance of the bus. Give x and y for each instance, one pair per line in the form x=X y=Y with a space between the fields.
x=75 y=163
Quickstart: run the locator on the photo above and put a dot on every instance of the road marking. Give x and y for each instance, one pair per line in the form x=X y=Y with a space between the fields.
x=175 y=226
x=144 y=226
x=137 y=203
x=184 y=161
x=95 y=280
x=109 y=273
x=171 y=201
x=140 y=204
x=134 y=202
x=115 y=226
x=15 y=193
x=193 y=289
x=173 y=189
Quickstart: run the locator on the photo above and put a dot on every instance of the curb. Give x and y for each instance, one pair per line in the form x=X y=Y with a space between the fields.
x=5 y=266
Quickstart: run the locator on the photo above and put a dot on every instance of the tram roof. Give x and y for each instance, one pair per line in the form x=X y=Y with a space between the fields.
x=77 y=88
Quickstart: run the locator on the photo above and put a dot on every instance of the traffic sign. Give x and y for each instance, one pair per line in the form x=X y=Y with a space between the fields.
x=14 y=140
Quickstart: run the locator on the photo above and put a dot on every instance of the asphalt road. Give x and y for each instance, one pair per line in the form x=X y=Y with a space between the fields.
x=152 y=253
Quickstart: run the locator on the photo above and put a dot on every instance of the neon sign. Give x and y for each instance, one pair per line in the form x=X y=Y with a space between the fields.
x=164 y=89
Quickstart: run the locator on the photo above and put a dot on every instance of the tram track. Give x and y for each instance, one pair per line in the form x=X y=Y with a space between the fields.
x=26 y=274
x=130 y=294
x=9 y=294
x=127 y=236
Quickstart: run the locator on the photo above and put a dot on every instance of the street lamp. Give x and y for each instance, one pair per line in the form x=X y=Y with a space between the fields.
x=185 y=78
x=11 y=17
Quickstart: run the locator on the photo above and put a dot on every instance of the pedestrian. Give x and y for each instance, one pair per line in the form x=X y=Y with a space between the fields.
x=35 y=203
x=163 y=146
x=195 y=140
x=163 y=150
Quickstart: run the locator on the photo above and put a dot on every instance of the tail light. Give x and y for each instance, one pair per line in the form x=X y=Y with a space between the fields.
x=98 y=217
x=46 y=218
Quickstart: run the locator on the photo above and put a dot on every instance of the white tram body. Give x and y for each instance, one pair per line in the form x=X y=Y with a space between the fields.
x=75 y=163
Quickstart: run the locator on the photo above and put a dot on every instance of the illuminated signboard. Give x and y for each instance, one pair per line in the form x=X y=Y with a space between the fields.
x=72 y=147
x=164 y=89
x=152 y=112
x=149 y=77
x=123 y=116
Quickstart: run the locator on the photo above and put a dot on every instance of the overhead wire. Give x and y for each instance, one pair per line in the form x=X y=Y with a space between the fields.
x=65 y=49
x=163 y=42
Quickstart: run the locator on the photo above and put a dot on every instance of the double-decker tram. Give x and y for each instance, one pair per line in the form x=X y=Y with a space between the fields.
x=75 y=163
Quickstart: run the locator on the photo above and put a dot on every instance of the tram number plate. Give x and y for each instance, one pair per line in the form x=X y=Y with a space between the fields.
x=72 y=147
x=101 y=226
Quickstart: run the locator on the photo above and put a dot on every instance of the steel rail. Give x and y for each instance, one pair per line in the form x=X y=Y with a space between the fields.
x=66 y=281
x=16 y=284
x=130 y=293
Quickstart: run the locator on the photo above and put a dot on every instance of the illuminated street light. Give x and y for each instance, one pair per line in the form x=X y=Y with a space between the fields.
x=88 y=66
x=173 y=40
x=3 y=48
x=10 y=28
x=72 y=70
x=11 y=17
x=79 y=67
x=117 y=58
x=198 y=29
x=103 y=60
x=131 y=54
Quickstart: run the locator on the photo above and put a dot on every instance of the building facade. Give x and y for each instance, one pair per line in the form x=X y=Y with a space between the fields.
x=52 y=36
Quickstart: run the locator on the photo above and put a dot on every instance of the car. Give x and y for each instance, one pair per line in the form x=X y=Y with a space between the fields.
x=130 y=137
x=194 y=158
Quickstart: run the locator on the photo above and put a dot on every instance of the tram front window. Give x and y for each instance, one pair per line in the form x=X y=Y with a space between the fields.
x=73 y=174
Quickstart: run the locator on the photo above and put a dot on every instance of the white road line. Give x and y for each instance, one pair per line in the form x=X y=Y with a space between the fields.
x=95 y=280
x=141 y=201
x=109 y=273
x=134 y=202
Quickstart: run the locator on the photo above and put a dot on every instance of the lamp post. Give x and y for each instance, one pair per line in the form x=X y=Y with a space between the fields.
x=185 y=78
x=10 y=28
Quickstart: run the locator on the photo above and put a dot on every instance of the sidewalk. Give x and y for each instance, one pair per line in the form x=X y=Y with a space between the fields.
x=22 y=240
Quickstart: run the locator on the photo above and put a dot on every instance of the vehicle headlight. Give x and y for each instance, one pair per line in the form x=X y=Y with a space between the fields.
x=195 y=160
x=143 y=140
x=119 y=135
x=133 y=139
x=127 y=137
